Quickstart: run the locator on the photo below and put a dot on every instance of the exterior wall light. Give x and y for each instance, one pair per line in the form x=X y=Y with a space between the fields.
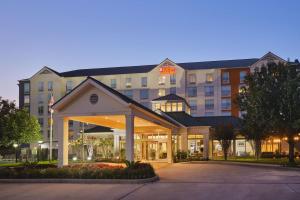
x=89 y=158
x=74 y=158
x=296 y=138
x=15 y=145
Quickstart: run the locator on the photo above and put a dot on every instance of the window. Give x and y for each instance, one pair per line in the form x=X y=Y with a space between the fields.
x=179 y=107
x=243 y=75
x=209 y=104
x=161 y=92
x=161 y=80
x=26 y=99
x=144 y=81
x=157 y=106
x=192 y=91
x=69 y=86
x=163 y=107
x=40 y=99
x=174 y=107
x=225 y=77
x=226 y=104
x=226 y=113
x=128 y=93
x=193 y=104
x=41 y=109
x=41 y=86
x=113 y=83
x=26 y=88
x=173 y=90
x=192 y=78
x=226 y=91
x=209 y=91
x=71 y=123
x=209 y=78
x=50 y=85
x=173 y=79
x=128 y=82
x=144 y=94
x=41 y=122
x=168 y=107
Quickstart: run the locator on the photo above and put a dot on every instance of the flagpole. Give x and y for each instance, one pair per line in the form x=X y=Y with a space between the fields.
x=51 y=133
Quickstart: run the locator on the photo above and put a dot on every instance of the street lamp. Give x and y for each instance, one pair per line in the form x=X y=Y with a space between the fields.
x=16 y=146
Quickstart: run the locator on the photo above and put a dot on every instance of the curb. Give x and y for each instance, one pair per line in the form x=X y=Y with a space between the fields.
x=83 y=181
x=270 y=166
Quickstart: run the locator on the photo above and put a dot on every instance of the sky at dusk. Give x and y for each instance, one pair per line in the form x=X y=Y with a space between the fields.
x=66 y=35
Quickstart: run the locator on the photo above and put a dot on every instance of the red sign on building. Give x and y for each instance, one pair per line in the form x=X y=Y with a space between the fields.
x=167 y=70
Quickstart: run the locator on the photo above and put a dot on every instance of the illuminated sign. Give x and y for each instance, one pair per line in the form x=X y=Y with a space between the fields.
x=167 y=70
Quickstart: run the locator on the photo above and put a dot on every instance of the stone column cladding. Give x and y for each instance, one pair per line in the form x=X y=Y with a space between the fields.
x=129 y=137
x=169 y=147
x=206 y=146
x=62 y=127
x=116 y=143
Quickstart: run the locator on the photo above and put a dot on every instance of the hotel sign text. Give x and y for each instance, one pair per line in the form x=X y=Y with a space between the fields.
x=167 y=70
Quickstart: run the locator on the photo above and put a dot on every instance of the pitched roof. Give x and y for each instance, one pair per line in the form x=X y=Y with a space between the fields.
x=147 y=68
x=98 y=129
x=188 y=120
x=171 y=97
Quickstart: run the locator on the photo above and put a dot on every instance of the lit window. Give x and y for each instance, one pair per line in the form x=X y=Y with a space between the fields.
x=128 y=93
x=163 y=107
x=157 y=106
x=50 y=85
x=69 y=86
x=26 y=88
x=161 y=92
x=192 y=91
x=226 y=104
x=128 y=82
x=193 y=104
x=192 y=78
x=168 y=107
x=144 y=81
x=226 y=91
x=209 y=90
x=41 y=110
x=173 y=90
x=174 y=107
x=173 y=79
x=162 y=80
x=209 y=78
x=179 y=107
x=144 y=94
x=41 y=86
x=243 y=75
x=225 y=77
x=26 y=99
x=113 y=83
x=209 y=104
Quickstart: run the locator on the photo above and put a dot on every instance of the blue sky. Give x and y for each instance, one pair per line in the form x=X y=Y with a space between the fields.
x=67 y=35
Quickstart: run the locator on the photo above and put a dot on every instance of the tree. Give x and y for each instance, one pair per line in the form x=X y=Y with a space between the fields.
x=224 y=133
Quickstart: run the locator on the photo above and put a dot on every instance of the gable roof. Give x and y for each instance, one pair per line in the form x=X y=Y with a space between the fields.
x=171 y=97
x=188 y=120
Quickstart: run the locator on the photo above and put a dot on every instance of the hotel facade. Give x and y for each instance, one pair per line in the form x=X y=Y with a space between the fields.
x=146 y=112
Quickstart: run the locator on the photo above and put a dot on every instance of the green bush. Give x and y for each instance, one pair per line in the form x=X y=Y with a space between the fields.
x=135 y=171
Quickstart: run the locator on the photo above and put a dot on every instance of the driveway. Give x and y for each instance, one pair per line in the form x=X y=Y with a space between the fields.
x=178 y=181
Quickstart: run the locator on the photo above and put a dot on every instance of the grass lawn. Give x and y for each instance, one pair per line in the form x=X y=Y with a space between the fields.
x=282 y=161
x=20 y=164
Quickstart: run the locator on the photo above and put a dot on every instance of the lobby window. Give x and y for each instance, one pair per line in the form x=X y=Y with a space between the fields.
x=144 y=81
x=69 y=86
x=26 y=88
x=225 y=77
x=128 y=82
x=243 y=75
x=193 y=104
x=41 y=122
x=226 y=91
x=144 y=94
x=26 y=99
x=209 y=78
x=173 y=90
x=113 y=83
x=192 y=91
x=161 y=92
x=192 y=79
x=162 y=80
x=41 y=109
x=128 y=93
x=226 y=104
x=173 y=79
x=209 y=104
x=40 y=86
x=209 y=90
x=50 y=85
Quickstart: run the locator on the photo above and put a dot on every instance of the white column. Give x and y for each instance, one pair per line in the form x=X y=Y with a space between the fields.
x=206 y=146
x=116 y=144
x=63 y=140
x=169 y=148
x=129 y=137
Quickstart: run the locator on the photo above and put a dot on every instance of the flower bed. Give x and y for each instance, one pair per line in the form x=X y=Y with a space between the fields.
x=88 y=171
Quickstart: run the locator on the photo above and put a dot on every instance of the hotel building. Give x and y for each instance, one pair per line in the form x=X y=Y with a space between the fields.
x=147 y=111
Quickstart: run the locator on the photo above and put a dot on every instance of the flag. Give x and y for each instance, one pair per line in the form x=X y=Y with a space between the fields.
x=51 y=102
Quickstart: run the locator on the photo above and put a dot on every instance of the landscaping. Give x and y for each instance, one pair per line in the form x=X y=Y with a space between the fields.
x=133 y=170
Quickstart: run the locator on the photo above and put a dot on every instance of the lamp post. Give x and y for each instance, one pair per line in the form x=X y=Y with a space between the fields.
x=39 y=150
x=16 y=146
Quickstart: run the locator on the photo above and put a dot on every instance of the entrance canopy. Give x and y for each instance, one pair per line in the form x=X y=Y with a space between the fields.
x=95 y=103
